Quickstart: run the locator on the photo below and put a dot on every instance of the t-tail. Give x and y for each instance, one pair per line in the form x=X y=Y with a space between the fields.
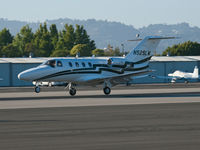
x=145 y=49
x=196 y=72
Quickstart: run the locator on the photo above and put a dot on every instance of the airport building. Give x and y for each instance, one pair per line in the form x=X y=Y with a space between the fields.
x=161 y=66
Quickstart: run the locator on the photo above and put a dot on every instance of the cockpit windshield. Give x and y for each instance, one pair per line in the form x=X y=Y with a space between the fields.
x=51 y=63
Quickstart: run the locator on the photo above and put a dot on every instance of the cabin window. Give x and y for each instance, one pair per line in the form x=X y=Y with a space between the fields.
x=83 y=64
x=59 y=63
x=89 y=64
x=77 y=64
x=70 y=64
x=51 y=63
x=132 y=65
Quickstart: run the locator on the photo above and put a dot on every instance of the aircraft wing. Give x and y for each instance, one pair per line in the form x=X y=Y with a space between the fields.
x=173 y=77
x=114 y=80
x=163 y=77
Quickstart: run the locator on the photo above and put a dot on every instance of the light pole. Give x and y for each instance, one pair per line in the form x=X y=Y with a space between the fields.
x=123 y=49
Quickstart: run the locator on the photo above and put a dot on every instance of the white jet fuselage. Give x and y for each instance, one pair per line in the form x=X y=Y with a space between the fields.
x=82 y=70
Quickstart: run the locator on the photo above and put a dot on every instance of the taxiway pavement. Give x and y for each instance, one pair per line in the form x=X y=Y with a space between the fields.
x=144 y=127
x=145 y=119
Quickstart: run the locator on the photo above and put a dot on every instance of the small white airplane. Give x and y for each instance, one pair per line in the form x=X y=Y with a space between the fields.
x=180 y=75
x=108 y=71
x=186 y=76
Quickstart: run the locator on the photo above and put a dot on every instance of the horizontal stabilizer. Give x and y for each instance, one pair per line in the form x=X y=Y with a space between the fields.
x=135 y=40
x=154 y=38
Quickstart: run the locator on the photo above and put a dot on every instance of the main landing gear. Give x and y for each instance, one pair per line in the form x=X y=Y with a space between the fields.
x=106 y=90
x=72 y=89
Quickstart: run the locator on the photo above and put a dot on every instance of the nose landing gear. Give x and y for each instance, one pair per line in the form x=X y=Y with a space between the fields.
x=37 y=89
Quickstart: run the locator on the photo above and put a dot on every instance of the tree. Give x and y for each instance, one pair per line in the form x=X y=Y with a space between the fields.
x=81 y=49
x=65 y=42
x=68 y=37
x=10 y=51
x=24 y=37
x=54 y=35
x=45 y=42
x=60 y=53
x=5 y=37
x=92 y=45
x=81 y=37
x=117 y=52
x=98 y=52
x=60 y=44
x=185 y=49
x=42 y=41
x=30 y=49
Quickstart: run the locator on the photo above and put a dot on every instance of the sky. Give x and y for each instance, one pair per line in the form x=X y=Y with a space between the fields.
x=138 y=13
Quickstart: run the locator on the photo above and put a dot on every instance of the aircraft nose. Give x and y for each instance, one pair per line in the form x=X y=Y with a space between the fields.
x=24 y=76
x=21 y=76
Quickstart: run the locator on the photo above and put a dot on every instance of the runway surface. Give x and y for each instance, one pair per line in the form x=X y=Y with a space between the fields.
x=144 y=127
x=97 y=98
x=145 y=119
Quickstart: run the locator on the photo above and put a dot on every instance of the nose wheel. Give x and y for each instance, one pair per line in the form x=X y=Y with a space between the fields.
x=37 y=89
x=106 y=90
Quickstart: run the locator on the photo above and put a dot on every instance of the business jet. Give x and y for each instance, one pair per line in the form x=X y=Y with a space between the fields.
x=108 y=71
x=180 y=75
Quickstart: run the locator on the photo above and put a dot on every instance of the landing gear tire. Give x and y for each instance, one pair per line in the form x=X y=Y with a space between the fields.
x=37 y=89
x=72 y=91
x=106 y=90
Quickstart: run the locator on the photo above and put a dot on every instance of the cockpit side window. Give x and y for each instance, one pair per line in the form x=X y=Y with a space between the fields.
x=59 y=63
x=51 y=63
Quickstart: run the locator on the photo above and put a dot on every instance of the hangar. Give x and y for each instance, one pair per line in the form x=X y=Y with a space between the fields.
x=162 y=65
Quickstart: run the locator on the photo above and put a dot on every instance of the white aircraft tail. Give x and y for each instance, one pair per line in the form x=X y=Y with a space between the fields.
x=196 y=72
x=145 y=49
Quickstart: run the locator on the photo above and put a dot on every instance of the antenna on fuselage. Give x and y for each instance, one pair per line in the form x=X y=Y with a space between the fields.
x=77 y=55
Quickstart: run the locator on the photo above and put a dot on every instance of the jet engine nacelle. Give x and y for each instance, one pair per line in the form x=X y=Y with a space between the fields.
x=116 y=61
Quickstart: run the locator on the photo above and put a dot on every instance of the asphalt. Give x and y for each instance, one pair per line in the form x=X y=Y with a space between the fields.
x=147 y=118
x=144 y=127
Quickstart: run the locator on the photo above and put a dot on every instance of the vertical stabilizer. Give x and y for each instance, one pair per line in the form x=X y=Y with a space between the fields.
x=145 y=49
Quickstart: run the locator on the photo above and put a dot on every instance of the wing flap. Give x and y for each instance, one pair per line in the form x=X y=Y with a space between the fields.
x=118 y=78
